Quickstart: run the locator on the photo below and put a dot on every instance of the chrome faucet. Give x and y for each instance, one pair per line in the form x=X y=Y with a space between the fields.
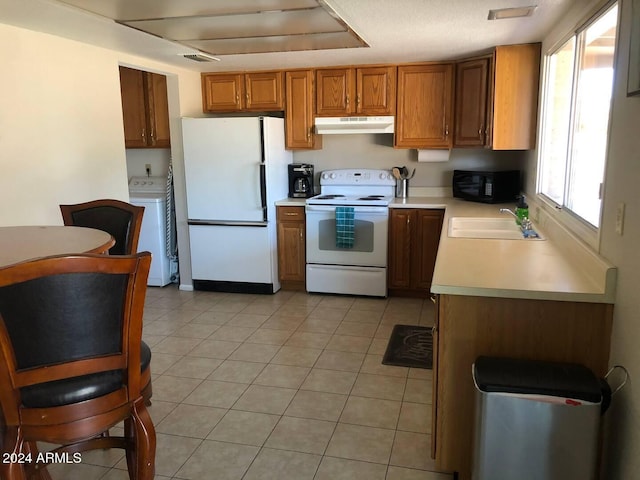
x=525 y=223
x=508 y=210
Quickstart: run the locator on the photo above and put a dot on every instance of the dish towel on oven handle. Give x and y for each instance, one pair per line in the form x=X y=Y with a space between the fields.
x=345 y=225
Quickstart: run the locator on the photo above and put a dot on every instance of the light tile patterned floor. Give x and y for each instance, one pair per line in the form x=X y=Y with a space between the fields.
x=287 y=386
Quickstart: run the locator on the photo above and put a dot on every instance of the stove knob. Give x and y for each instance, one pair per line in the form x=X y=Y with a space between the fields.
x=333 y=175
x=325 y=176
x=383 y=176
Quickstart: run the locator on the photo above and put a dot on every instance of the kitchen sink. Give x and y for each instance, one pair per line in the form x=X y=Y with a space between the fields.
x=487 y=227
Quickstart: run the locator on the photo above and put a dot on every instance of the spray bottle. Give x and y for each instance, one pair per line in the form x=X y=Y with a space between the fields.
x=522 y=209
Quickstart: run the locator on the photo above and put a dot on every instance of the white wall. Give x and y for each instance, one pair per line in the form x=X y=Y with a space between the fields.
x=621 y=186
x=622 y=421
x=61 y=133
x=157 y=158
x=376 y=151
x=61 y=138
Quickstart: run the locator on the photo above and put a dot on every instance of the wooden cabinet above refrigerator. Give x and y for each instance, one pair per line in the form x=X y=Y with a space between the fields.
x=145 y=109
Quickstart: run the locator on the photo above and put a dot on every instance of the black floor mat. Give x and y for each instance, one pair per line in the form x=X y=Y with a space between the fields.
x=410 y=346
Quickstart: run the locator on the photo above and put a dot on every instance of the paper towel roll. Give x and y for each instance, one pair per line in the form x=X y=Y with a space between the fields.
x=433 y=155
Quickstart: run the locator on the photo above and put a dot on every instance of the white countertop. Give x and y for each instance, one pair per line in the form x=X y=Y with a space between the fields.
x=558 y=268
x=291 y=202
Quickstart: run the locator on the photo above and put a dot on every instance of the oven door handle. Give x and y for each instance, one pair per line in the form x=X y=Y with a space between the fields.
x=357 y=209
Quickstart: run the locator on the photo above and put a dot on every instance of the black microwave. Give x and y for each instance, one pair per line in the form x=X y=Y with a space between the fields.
x=486 y=187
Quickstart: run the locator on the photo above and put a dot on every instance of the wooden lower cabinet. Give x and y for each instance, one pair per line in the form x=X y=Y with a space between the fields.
x=467 y=327
x=414 y=235
x=291 y=247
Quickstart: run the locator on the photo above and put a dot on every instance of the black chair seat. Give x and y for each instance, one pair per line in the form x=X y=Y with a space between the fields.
x=78 y=389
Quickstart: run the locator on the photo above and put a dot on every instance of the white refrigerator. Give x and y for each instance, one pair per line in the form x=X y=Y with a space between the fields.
x=235 y=169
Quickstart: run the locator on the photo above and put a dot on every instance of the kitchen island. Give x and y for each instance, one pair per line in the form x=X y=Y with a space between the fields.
x=546 y=299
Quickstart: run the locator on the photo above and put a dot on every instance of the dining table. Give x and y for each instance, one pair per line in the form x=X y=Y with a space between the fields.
x=20 y=243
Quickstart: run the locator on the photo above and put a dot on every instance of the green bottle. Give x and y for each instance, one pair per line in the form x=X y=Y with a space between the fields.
x=522 y=209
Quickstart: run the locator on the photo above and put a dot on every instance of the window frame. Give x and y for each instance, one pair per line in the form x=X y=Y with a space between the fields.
x=577 y=225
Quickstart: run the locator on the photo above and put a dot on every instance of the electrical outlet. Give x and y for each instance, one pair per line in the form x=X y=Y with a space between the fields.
x=147 y=168
x=620 y=218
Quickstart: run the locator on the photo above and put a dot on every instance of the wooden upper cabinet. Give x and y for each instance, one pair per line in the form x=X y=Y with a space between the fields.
x=336 y=92
x=133 y=107
x=376 y=91
x=515 y=97
x=497 y=99
x=264 y=91
x=472 y=105
x=424 y=109
x=356 y=91
x=298 y=114
x=234 y=92
x=222 y=92
x=158 y=109
x=145 y=109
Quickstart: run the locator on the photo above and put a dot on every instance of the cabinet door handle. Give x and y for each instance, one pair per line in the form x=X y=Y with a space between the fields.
x=143 y=134
x=446 y=130
x=481 y=130
x=358 y=100
x=290 y=214
x=238 y=98
x=347 y=100
x=247 y=97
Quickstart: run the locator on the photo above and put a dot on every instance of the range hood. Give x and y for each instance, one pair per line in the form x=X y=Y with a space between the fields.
x=351 y=125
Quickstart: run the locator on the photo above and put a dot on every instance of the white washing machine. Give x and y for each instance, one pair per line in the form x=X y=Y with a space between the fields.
x=151 y=193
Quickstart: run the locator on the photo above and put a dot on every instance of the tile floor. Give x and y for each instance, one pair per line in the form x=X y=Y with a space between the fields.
x=287 y=386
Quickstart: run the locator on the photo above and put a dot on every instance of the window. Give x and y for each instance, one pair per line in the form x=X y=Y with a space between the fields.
x=577 y=101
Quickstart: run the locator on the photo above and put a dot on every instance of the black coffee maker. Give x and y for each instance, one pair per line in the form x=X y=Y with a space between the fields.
x=300 y=180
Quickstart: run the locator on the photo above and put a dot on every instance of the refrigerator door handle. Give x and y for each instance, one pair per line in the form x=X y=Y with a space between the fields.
x=263 y=191
x=226 y=223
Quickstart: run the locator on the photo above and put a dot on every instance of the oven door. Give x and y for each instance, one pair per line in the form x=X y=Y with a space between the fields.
x=370 y=237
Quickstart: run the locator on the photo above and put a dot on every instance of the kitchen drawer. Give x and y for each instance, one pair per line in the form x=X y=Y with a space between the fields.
x=290 y=214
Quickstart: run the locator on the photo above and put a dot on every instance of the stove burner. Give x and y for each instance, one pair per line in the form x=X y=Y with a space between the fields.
x=372 y=197
x=329 y=197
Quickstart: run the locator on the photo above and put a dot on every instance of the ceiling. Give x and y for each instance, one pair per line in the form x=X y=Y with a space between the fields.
x=268 y=34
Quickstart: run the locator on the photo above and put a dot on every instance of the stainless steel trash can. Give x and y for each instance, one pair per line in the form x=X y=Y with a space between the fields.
x=535 y=420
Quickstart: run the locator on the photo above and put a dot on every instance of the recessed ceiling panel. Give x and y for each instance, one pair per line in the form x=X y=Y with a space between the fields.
x=127 y=10
x=227 y=27
x=294 y=22
x=286 y=43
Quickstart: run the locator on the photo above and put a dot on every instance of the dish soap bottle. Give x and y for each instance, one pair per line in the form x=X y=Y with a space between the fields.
x=522 y=209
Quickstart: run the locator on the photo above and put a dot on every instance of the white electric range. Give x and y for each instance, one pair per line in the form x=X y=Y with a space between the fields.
x=361 y=267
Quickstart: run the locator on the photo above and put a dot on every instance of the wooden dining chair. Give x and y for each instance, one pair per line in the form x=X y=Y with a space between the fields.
x=70 y=330
x=123 y=221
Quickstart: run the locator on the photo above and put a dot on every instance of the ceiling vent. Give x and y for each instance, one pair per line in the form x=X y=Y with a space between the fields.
x=200 y=57
x=517 y=12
